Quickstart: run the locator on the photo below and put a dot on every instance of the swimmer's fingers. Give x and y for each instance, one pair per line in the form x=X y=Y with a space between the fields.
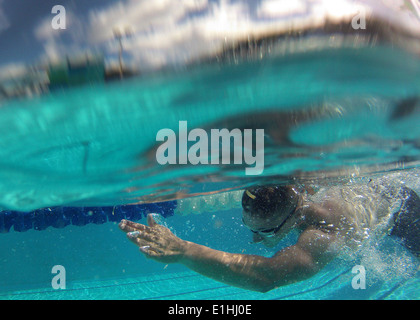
x=143 y=241
x=148 y=253
x=130 y=226
x=139 y=238
x=145 y=236
x=150 y=221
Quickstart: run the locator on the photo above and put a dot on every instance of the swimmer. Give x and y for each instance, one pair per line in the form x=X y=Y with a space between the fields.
x=326 y=221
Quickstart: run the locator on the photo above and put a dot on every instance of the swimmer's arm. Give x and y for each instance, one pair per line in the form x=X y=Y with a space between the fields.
x=295 y=263
x=252 y=272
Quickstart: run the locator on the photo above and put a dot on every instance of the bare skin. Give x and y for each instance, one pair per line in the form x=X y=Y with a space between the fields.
x=294 y=263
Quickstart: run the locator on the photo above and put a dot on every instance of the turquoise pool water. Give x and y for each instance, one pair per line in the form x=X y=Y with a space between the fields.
x=101 y=264
x=329 y=111
x=330 y=117
x=190 y=286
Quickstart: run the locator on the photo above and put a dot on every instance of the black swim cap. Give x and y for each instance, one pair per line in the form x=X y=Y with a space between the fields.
x=266 y=200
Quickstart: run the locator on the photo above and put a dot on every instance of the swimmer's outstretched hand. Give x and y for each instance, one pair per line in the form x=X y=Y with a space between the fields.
x=155 y=241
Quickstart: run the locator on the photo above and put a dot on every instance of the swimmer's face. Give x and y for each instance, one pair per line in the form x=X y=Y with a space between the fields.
x=266 y=230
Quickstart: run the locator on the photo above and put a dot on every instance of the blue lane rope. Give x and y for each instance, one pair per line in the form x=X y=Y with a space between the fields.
x=60 y=217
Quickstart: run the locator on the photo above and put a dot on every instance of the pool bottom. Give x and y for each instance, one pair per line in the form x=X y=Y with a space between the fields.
x=331 y=284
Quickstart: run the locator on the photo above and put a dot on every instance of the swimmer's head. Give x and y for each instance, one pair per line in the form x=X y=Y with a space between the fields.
x=267 y=201
x=267 y=208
